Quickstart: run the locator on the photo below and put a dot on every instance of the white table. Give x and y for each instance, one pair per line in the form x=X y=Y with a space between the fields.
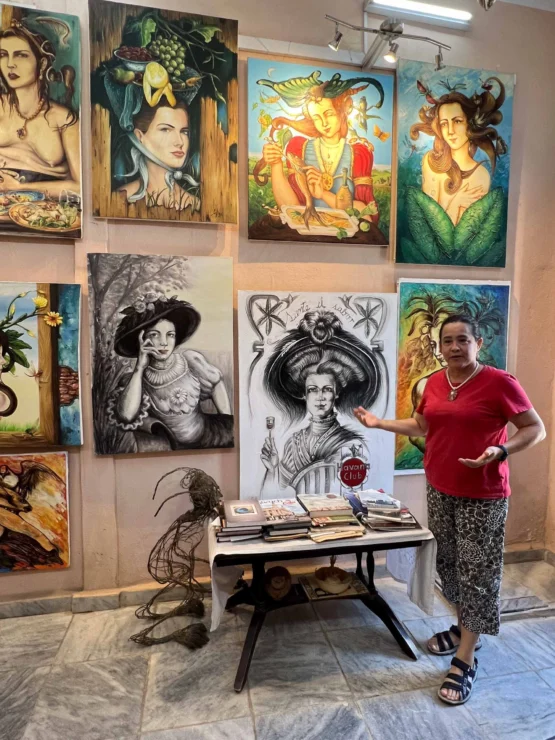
x=226 y=557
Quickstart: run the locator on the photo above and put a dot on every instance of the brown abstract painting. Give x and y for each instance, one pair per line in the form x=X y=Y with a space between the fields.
x=34 y=524
x=164 y=114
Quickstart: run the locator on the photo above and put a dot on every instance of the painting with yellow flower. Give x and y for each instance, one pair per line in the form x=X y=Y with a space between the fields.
x=164 y=114
x=39 y=365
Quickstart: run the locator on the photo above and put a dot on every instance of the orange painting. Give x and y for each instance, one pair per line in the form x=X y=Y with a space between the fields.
x=34 y=522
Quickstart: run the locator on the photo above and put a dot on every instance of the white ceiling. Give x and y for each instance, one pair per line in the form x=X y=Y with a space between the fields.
x=540 y=4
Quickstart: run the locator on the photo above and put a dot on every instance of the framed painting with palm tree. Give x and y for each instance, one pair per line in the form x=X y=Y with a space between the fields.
x=423 y=306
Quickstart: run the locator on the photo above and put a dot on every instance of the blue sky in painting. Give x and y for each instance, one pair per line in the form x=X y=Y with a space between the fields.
x=8 y=291
x=279 y=71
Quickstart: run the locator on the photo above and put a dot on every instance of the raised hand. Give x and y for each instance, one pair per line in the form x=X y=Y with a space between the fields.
x=315 y=182
x=269 y=455
x=366 y=418
x=146 y=350
x=272 y=153
x=490 y=454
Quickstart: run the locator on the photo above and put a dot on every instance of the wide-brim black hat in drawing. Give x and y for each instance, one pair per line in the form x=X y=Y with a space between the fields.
x=144 y=314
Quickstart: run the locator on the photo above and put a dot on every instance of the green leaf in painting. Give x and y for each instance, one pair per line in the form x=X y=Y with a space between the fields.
x=19 y=344
x=431 y=228
x=148 y=29
x=494 y=257
x=411 y=254
x=284 y=137
x=254 y=106
x=479 y=228
x=341 y=233
x=19 y=357
x=13 y=334
x=356 y=212
x=207 y=32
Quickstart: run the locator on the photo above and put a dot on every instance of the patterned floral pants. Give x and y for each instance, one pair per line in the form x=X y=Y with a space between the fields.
x=470 y=535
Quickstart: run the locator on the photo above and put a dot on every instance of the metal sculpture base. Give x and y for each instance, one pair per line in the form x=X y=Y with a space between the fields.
x=254 y=594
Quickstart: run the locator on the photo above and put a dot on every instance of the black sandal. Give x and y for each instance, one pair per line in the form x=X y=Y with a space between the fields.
x=445 y=642
x=463 y=684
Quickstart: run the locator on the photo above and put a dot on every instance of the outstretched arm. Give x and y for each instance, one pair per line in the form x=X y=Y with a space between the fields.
x=414 y=427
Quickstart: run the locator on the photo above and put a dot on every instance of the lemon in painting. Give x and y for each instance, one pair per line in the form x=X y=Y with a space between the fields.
x=156 y=82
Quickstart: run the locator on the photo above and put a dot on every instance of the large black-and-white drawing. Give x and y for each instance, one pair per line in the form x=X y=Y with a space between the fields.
x=306 y=361
x=162 y=341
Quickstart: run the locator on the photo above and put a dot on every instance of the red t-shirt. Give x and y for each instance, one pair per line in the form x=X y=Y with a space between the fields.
x=476 y=419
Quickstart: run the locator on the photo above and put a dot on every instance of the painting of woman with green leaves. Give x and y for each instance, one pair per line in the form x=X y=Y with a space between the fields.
x=454 y=160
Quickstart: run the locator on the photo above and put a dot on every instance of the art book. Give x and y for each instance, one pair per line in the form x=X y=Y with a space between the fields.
x=325 y=505
x=284 y=512
x=239 y=513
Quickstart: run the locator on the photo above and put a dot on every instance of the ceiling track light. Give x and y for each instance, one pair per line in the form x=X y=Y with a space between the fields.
x=336 y=41
x=439 y=60
x=390 y=32
x=391 y=56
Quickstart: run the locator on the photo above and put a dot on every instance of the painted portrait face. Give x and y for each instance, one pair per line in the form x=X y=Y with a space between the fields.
x=325 y=118
x=17 y=62
x=167 y=137
x=458 y=345
x=453 y=125
x=162 y=337
x=430 y=334
x=320 y=394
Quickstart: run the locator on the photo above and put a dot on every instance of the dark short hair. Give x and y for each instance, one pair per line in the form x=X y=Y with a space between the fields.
x=461 y=318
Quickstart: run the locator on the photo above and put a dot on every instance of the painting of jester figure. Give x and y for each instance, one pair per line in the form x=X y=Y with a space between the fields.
x=319 y=154
x=454 y=156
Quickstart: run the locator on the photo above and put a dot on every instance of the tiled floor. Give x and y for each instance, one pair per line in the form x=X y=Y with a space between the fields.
x=329 y=673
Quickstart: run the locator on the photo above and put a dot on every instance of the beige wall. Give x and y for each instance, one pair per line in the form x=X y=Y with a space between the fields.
x=111 y=507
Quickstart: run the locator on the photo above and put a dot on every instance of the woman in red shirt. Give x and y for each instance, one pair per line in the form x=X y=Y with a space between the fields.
x=463 y=414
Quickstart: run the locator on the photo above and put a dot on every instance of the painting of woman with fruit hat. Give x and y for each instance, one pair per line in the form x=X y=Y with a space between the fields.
x=164 y=94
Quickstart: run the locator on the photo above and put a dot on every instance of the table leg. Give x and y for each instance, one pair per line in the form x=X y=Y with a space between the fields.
x=381 y=609
x=255 y=626
x=257 y=620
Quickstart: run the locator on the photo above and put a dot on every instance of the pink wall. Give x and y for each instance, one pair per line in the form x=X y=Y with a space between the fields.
x=111 y=508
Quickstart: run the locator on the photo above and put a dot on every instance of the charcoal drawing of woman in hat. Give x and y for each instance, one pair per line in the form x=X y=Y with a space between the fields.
x=160 y=400
x=315 y=372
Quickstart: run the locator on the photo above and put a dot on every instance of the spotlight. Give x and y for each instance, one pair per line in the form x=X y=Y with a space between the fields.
x=439 y=60
x=391 y=55
x=334 y=45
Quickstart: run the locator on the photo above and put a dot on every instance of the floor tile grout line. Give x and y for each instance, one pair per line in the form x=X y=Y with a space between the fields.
x=31 y=713
x=251 y=707
x=339 y=664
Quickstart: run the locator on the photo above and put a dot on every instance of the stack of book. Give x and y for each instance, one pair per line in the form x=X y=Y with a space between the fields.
x=331 y=517
x=285 y=519
x=241 y=520
x=385 y=513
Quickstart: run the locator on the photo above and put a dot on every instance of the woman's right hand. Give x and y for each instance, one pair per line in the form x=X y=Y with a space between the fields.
x=146 y=350
x=269 y=455
x=272 y=154
x=366 y=418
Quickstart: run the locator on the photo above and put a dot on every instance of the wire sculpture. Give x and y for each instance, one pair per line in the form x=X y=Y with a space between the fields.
x=172 y=561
